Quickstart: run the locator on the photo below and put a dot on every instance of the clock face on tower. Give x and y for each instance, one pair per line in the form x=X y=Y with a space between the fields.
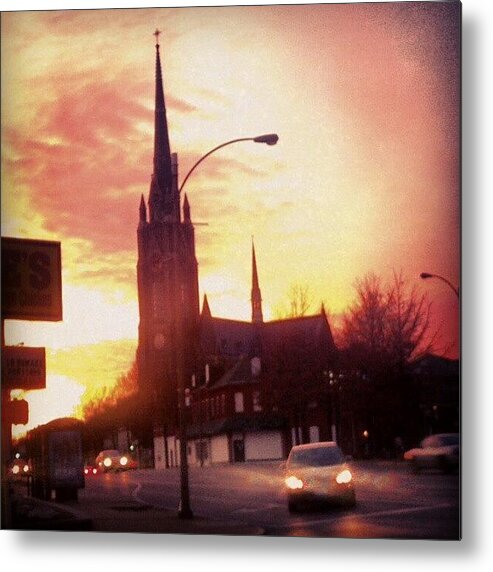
x=159 y=341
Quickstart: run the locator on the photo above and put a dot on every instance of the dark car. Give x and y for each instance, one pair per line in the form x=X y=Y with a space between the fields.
x=318 y=472
x=436 y=452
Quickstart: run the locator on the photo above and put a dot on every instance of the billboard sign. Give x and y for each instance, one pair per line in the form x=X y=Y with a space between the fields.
x=23 y=367
x=31 y=279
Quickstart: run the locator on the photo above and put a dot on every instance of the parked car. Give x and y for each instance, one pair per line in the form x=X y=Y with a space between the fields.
x=318 y=472
x=113 y=460
x=439 y=452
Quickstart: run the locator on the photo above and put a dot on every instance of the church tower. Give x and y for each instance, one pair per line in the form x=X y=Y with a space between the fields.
x=167 y=275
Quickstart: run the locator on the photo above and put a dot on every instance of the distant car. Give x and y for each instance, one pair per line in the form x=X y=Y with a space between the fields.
x=439 y=452
x=113 y=460
x=19 y=468
x=318 y=472
x=90 y=470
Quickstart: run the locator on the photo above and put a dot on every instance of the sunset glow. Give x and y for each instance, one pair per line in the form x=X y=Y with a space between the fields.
x=364 y=178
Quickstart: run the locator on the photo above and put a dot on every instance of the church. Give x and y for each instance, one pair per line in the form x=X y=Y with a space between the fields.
x=246 y=390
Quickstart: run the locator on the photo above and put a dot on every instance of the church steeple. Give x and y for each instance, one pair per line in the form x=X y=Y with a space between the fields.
x=186 y=209
x=256 y=298
x=206 y=311
x=163 y=195
x=142 y=210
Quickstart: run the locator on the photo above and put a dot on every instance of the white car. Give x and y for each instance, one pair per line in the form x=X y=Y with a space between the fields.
x=440 y=452
x=318 y=472
x=112 y=460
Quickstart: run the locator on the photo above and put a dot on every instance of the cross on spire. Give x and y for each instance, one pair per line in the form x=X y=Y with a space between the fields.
x=156 y=33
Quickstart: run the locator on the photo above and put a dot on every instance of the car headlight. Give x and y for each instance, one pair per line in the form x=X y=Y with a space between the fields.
x=344 y=477
x=107 y=462
x=123 y=461
x=16 y=469
x=26 y=468
x=293 y=483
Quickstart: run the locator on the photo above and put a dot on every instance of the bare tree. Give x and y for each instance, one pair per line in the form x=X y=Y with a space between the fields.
x=386 y=328
x=299 y=302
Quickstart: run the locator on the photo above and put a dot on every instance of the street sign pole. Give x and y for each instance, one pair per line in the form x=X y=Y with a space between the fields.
x=6 y=448
x=31 y=290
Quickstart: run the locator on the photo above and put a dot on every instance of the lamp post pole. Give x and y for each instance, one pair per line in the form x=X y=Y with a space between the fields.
x=184 y=509
x=426 y=275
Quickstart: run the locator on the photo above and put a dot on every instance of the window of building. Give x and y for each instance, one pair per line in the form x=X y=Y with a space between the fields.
x=255 y=366
x=223 y=404
x=239 y=406
x=213 y=409
x=257 y=406
x=314 y=434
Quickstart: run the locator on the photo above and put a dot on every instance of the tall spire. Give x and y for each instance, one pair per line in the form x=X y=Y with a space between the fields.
x=142 y=210
x=161 y=194
x=186 y=209
x=256 y=298
x=206 y=311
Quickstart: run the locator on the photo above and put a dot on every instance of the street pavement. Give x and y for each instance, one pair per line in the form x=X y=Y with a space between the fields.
x=249 y=499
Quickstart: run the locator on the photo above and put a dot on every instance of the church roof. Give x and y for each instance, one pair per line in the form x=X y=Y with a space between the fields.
x=239 y=374
x=237 y=342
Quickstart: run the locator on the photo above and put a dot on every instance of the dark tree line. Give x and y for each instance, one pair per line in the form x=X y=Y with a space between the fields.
x=383 y=332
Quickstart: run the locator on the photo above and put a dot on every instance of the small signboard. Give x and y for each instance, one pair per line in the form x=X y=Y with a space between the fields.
x=23 y=368
x=18 y=412
x=31 y=280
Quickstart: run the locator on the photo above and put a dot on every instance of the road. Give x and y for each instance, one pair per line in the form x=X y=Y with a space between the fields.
x=392 y=502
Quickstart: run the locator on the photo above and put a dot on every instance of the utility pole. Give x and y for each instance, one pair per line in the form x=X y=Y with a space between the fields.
x=184 y=510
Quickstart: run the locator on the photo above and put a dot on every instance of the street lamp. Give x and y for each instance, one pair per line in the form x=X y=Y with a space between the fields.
x=426 y=275
x=184 y=510
x=269 y=139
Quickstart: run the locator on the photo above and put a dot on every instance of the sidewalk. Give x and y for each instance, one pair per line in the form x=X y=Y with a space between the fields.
x=124 y=516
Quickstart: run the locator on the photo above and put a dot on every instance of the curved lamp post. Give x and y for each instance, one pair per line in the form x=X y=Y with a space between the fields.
x=269 y=139
x=184 y=510
x=426 y=275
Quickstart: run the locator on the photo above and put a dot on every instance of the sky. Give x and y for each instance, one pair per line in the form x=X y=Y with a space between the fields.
x=364 y=178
